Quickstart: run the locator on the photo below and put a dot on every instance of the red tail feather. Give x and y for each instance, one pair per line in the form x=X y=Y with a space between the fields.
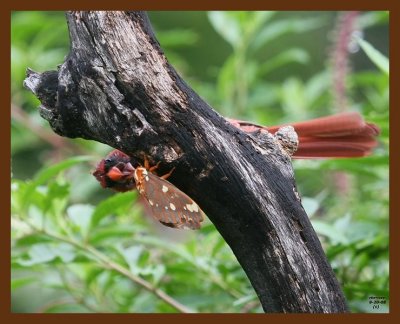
x=340 y=135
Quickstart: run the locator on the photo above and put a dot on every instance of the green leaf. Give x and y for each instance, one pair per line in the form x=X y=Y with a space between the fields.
x=374 y=55
x=372 y=18
x=35 y=216
x=334 y=250
x=220 y=244
x=293 y=55
x=310 y=205
x=343 y=223
x=50 y=172
x=38 y=253
x=261 y=17
x=32 y=239
x=131 y=256
x=44 y=253
x=112 y=204
x=115 y=232
x=280 y=27
x=157 y=272
x=47 y=173
x=317 y=86
x=92 y=275
x=293 y=98
x=81 y=216
x=329 y=231
x=143 y=303
x=226 y=25
x=58 y=189
x=56 y=198
x=179 y=250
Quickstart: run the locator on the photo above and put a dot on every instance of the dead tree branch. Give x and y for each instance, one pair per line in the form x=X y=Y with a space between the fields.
x=117 y=87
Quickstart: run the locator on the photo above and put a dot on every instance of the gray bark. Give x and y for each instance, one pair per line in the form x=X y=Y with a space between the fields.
x=117 y=87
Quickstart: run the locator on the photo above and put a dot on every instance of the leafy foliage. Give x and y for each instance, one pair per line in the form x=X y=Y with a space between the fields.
x=108 y=258
x=80 y=249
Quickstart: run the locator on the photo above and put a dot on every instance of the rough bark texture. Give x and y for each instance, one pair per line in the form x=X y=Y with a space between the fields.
x=117 y=87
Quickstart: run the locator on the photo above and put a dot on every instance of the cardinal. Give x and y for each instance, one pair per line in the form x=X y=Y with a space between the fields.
x=342 y=135
x=335 y=136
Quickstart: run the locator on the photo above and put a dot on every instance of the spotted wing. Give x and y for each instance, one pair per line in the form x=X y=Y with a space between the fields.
x=170 y=206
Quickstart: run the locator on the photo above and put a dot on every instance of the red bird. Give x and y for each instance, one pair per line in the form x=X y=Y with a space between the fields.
x=341 y=135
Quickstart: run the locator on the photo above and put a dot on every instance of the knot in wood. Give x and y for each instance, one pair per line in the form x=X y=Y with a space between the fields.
x=288 y=139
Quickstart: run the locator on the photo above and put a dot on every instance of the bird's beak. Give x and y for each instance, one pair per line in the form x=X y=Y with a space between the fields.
x=116 y=174
x=128 y=169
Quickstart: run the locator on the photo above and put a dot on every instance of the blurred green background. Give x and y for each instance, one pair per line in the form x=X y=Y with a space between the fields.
x=78 y=248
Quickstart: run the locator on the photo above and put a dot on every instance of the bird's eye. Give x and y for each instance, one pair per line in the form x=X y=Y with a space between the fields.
x=108 y=160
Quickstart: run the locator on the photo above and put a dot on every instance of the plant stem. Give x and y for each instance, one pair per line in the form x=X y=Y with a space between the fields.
x=107 y=263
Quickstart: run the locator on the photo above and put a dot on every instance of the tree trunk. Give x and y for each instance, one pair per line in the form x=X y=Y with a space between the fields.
x=117 y=87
